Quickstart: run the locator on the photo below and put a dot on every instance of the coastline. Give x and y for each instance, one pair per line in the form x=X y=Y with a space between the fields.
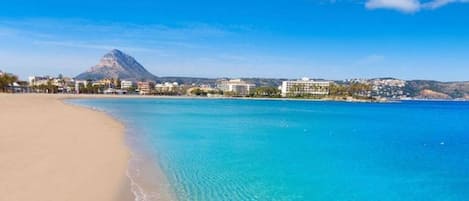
x=93 y=161
x=51 y=150
x=136 y=96
x=92 y=96
x=147 y=181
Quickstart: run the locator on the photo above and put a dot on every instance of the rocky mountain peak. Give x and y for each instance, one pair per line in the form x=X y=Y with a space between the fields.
x=117 y=64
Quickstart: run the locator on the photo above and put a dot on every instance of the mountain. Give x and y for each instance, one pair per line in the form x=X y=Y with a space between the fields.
x=117 y=64
x=430 y=94
x=434 y=89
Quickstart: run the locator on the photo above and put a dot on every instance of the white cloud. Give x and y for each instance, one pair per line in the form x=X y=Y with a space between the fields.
x=439 y=3
x=157 y=39
x=409 y=6
x=98 y=46
x=402 y=5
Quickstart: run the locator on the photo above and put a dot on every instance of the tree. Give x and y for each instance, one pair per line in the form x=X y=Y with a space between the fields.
x=131 y=89
x=271 y=92
x=359 y=89
x=118 y=83
x=198 y=92
x=337 y=90
x=51 y=88
x=7 y=80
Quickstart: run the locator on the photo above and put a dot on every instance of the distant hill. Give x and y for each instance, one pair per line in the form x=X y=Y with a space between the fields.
x=188 y=80
x=265 y=82
x=260 y=82
x=426 y=89
x=434 y=89
x=117 y=64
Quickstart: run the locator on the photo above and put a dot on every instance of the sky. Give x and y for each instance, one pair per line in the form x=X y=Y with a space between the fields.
x=329 y=39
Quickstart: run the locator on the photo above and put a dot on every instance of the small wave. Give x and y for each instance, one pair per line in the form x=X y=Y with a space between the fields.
x=136 y=190
x=147 y=183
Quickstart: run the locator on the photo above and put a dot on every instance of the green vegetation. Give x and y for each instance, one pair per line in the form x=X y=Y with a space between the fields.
x=335 y=91
x=355 y=90
x=166 y=93
x=360 y=90
x=231 y=94
x=201 y=92
x=338 y=90
x=266 y=92
x=7 y=80
x=91 y=89
x=131 y=90
x=297 y=91
x=198 y=92
x=118 y=83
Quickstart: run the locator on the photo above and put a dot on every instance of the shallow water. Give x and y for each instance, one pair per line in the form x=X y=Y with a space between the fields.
x=299 y=150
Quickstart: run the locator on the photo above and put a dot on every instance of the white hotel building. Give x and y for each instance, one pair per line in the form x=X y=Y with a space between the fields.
x=237 y=86
x=304 y=86
x=126 y=84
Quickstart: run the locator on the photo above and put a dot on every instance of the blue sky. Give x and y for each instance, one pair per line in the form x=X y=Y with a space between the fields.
x=331 y=39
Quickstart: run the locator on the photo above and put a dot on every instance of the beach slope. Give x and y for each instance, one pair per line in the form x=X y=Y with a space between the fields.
x=53 y=151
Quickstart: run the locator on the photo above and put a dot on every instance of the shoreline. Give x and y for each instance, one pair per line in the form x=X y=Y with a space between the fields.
x=147 y=181
x=92 y=96
x=51 y=150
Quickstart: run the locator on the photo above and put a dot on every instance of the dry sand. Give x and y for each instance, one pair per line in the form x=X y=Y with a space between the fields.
x=53 y=151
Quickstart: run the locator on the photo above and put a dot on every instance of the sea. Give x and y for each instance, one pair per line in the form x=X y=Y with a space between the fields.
x=280 y=150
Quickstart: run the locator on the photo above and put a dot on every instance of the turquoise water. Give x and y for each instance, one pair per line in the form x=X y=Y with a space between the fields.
x=216 y=150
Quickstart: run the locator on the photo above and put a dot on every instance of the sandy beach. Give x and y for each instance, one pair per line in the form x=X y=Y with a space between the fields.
x=50 y=151
x=53 y=151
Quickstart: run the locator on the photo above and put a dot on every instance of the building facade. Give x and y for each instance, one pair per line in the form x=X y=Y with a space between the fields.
x=236 y=86
x=304 y=86
x=167 y=87
x=145 y=88
x=388 y=88
x=38 y=80
x=80 y=84
x=126 y=84
x=63 y=84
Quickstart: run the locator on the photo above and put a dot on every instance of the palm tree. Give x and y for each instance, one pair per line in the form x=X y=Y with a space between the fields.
x=7 y=80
